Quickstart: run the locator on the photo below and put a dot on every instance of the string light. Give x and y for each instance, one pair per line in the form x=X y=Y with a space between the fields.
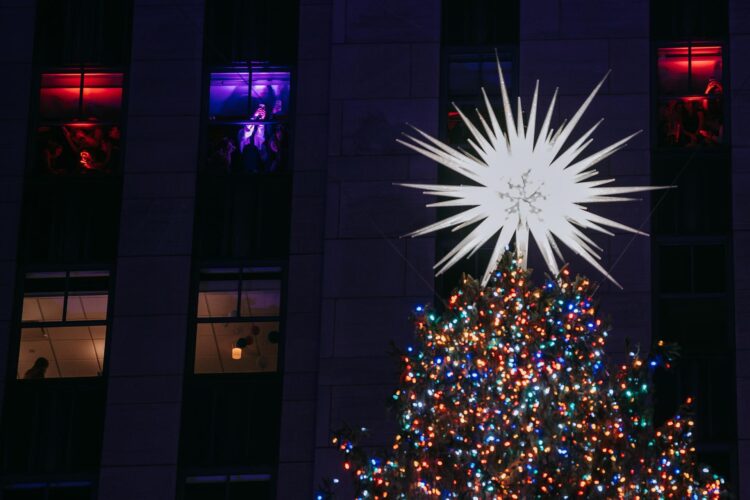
x=507 y=395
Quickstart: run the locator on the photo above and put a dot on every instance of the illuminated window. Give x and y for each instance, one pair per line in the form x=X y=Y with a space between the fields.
x=63 y=324
x=238 y=320
x=248 y=128
x=79 y=123
x=691 y=89
x=232 y=487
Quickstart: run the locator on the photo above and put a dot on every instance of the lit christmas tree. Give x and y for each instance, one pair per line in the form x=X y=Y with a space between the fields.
x=507 y=394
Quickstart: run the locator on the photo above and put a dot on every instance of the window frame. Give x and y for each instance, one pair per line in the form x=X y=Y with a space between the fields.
x=47 y=484
x=280 y=274
x=446 y=240
x=249 y=67
x=19 y=324
x=657 y=98
x=226 y=477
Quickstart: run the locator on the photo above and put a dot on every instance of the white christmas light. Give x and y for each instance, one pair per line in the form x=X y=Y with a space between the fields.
x=525 y=183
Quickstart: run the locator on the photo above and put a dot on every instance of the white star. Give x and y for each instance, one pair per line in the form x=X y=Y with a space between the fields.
x=524 y=183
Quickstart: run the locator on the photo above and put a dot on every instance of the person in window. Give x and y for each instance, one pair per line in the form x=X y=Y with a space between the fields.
x=220 y=160
x=39 y=370
x=692 y=123
x=276 y=149
x=712 y=131
x=251 y=141
x=51 y=157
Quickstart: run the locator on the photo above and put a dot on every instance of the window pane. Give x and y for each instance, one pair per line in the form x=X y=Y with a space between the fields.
x=59 y=96
x=205 y=491
x=61 y=352
x=218 y=297
x=672 y=67
x=228 y=95
x=706 y=70
x=674 y=269
x=689 y=322
x=709 y=273
x=43 y=297
x=260 y=297
x=467 y=74
x=257 y=344
x=248 y=135
x=70 y=493
x=243 y=490
x=102 y=96
x=77 y=148
x=690 y=108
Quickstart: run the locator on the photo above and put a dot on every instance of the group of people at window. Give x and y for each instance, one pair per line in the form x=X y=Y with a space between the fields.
x=694 y=120
x=79 y=149
x=257 y=146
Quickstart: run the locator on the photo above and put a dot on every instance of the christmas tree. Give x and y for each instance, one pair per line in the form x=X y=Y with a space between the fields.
x=508 y=394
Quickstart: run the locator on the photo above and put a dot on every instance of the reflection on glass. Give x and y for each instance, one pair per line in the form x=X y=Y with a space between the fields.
x=260 y=298
x=53 y=352
x=215 y=341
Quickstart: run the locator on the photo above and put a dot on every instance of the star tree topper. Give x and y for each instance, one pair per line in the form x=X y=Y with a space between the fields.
x=525 y=183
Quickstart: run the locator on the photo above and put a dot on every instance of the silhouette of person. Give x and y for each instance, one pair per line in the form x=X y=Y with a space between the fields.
x=38 y=370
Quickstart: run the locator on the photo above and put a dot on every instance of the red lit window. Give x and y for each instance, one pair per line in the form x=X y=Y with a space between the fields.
x=79 y=130
x=691 y=87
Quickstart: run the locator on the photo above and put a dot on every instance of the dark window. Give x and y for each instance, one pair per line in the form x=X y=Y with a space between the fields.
x=691 y=96
x=70 y=220
x=700 y=202
x=467 y=75
x=232 y=487
x=79 y=123
x=685 y=19
x=238 y=31
x=244 y=218
x=75 y=32
x=63 y=324
x=480 y=22
x=248 y=129
x=238 y=320
x=48 y=491
x=698 y=268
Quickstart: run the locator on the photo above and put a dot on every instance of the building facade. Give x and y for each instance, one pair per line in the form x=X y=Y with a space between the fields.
x=202 y=269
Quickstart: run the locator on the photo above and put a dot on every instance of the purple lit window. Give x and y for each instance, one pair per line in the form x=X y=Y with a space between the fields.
x=248 y=130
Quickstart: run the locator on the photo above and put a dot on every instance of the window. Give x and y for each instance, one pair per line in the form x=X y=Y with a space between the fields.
x=230 y=487
x=480 y=22
x=697 y=268
x=240 y=31
x=248 y=130
x=238 y=320
x=74 y=490
x=63 y=324
x=682 y=19
x=467 y=74
x=82 y=32
x=699 y=204
x=79 y=123
x=690 y=92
